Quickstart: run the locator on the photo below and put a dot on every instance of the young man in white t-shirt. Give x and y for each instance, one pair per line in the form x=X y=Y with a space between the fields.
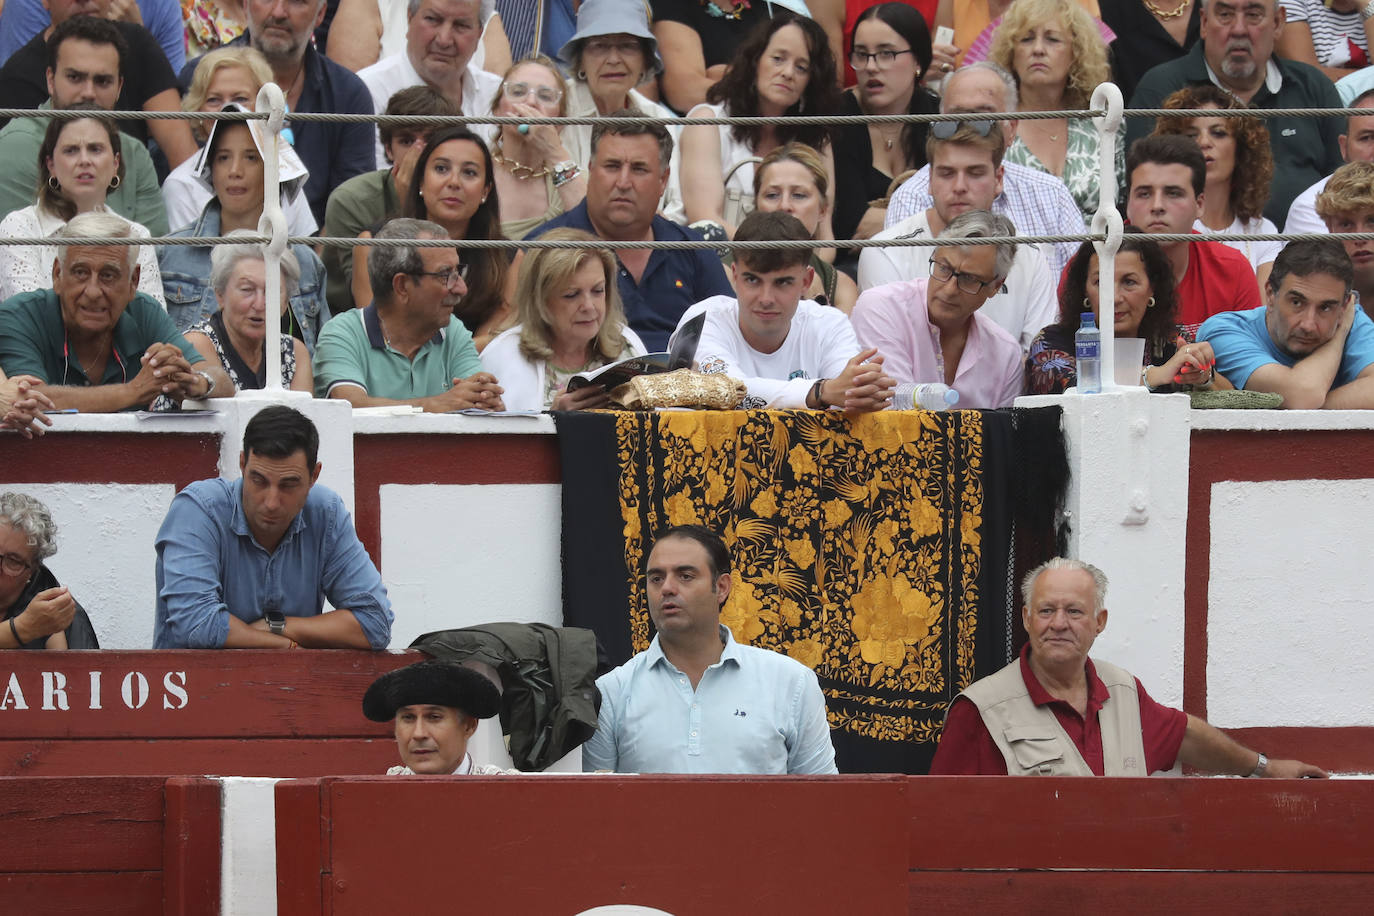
x=790 y=352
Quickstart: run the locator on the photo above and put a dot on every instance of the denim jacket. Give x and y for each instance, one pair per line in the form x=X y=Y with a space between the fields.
x=190 y=298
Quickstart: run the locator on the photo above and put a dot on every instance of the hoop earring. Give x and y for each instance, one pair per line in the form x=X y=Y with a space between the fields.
x=114 y=183
x=54 y=184
x=1150 y=303
x=582 y=75
x=1087 y=306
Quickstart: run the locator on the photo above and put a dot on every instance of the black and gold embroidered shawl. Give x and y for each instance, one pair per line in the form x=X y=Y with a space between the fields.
x=880 y=551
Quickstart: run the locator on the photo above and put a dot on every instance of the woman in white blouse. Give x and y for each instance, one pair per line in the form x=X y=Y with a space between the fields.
x=78 y=165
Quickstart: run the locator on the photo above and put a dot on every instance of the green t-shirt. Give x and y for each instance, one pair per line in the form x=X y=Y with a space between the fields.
x=33 y=340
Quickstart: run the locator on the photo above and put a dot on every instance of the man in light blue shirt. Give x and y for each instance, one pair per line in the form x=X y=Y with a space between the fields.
x=696 y=701
x=248 y=563
x=1312 y=343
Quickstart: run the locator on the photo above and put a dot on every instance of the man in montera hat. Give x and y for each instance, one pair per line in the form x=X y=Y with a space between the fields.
x=435 y=706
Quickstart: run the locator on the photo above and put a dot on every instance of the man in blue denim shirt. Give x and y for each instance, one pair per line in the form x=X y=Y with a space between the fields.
x=248 y=563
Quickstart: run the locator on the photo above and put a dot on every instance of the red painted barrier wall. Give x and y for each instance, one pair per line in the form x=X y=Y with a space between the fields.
x=110 y=846
x=227 y=713
x=847 y=845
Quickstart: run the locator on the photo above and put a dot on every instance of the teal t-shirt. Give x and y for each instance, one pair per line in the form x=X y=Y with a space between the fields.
x=352 y=350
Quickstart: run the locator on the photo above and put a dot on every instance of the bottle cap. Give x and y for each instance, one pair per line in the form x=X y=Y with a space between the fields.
x=951 y=397
x=1088 y=319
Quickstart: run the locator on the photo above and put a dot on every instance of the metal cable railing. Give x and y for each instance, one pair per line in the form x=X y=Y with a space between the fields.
x=1106 y=110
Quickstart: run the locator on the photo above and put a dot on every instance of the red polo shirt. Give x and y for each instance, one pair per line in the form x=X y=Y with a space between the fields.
x=1218 y=279
x=967 y=749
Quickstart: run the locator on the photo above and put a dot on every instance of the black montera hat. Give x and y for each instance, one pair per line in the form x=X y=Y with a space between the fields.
x=431 y=683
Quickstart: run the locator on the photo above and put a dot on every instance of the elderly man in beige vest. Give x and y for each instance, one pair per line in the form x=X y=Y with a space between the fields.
x=1057 y=712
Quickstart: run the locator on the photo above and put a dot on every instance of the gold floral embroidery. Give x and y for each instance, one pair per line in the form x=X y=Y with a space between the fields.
x=856 y=544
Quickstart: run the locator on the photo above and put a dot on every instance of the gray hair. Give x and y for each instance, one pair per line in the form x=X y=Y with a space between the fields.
x=1098 y=576
x=385 y=263
x=484 y=10
x=983 y=224
x=31 y=518
x=224 y=258
x=1009 y=81
x=97 y=225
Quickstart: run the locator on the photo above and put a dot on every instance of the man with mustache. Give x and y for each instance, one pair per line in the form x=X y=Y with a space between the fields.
x=406 y=347
x=441 y=36
x=1311 y=343
x=1237 y=54
x=333 y=153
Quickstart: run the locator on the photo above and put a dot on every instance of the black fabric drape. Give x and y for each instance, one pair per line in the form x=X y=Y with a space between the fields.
x=882 y=551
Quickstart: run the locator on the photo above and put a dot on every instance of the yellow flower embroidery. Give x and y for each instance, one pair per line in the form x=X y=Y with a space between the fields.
x=889 y=616
x=741 y=613
x=801 y=553
x=836 y=513
x=807 y=651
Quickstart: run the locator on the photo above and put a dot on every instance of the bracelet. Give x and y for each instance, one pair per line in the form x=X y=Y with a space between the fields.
x=18 y=640
x=816 y=393
x=565 y=172
x=1145 y=378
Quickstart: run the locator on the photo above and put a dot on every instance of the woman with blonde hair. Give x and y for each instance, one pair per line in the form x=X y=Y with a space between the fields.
x=1055 y=51
x=536 y=177
x=570 y=322
x=1240 y=168
x=227 y=76
x=793 y=179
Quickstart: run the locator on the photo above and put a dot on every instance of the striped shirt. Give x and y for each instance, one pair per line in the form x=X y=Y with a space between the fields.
x=1037 y=202
x=1337 y=38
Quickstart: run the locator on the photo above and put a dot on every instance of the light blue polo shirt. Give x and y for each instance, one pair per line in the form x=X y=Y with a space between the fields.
x=754 y=711
x=352 y=351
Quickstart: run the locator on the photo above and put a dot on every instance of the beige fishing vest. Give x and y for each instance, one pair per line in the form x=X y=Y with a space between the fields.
x=1032 y=741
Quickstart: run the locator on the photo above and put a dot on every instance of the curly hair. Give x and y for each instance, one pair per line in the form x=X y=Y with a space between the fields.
x=487 y=273
x=32 y=519
x=739 y=92
x=1254 y=167
x=1350 y=190
x=543 y=272
x=1159 y=325
x=1089 y=67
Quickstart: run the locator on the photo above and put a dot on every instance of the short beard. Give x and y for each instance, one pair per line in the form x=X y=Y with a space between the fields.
x=1238 y=71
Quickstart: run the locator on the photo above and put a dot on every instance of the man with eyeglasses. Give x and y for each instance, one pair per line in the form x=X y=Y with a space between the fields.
x=441 y=36
x=1036 y=202
x=966 y=173
x=1237 y=53
x=932 y=329
x=406 y=347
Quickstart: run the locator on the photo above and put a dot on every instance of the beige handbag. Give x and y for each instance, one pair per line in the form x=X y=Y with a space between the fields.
x=679 y=388
x=739 y=202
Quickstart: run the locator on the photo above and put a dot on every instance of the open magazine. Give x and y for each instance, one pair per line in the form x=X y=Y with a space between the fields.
x=678 y=357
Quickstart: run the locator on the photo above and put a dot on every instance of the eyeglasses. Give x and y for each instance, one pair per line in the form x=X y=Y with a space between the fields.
x=885 y=58
x=518 y=92
x=445 y=276
x=943 y=130
x=622 y=46
x=967 y=283
x=13 y=565
x=1226 y=15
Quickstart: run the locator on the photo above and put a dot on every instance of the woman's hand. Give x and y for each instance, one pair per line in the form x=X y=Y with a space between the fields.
x=588 y=397
x=403 y=172
x=1192 y=364
x=544 y=139
x=943 y=60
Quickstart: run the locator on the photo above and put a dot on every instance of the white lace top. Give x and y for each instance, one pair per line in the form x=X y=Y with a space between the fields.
x=24 y=268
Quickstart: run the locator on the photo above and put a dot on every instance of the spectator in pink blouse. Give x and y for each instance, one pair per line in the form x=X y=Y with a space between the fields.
x=931 y=330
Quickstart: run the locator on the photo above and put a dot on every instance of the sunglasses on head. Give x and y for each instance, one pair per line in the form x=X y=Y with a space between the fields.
x=943 y=130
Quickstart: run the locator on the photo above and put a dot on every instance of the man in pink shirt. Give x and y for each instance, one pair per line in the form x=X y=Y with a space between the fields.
x=930 y=329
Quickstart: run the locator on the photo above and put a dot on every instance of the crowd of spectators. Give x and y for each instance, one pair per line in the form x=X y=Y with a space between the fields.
x=622 y=182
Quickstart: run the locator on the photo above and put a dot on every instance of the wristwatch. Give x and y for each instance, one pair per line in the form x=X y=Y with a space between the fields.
x=1261 y=765
x=276 y=621
x=209 y=382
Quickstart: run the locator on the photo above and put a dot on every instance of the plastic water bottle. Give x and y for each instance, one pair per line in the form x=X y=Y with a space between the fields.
x=925 y=395
x=1087 y=347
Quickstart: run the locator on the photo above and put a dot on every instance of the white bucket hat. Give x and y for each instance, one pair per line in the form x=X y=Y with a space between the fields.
x=612 y=17
x=291 y=172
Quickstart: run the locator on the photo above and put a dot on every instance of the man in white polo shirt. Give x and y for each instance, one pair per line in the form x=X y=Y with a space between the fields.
x=966 y=174
x=441 y=36
x=790 y=352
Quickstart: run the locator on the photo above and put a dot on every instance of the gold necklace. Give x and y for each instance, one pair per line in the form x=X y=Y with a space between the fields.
x=517 y=167
x=891 y=138
x=1183 y=5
